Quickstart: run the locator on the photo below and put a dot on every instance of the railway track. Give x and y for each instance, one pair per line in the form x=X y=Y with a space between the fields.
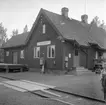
x=51 y=93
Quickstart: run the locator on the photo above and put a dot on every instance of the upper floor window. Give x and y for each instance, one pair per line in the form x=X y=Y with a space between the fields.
x=7 y=53
x=51 y=51
x=44 y=29
x=22 y=54
x=36 y=52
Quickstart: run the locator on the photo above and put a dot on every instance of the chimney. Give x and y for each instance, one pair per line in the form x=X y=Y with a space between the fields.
x=64 y=12
x=84 y=18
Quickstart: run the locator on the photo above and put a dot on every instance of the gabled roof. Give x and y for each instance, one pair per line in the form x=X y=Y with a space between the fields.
x=67 y=28
x=16 y=41
x=99 y=34
x=70 y=29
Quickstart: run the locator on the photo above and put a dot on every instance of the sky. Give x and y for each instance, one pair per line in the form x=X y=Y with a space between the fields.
x=15 y=14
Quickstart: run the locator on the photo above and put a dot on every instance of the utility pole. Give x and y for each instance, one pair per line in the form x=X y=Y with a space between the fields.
x=85 y=6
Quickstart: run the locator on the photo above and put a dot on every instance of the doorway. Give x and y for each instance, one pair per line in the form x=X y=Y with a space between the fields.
x=15 y=57
x=43 y=54
x=43 y=51
x=76 y=58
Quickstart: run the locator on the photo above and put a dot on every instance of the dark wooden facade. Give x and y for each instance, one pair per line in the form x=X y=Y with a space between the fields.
x=63 y=50
x=67 y=52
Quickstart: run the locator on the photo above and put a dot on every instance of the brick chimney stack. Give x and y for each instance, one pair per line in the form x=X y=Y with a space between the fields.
x=64 y=12
x=84 y=18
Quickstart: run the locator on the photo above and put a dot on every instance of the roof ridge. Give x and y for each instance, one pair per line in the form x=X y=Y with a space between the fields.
x=50 y=11
x=59 y=14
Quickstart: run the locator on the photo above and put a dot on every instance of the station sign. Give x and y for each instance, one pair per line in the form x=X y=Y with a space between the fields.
x=43 y=43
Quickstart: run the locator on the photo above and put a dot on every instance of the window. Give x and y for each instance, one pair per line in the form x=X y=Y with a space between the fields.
x=44 y=29
x=104 y=55
x=36 y=52
x=76 y=52
x=51 y=51
x=7 y=53
x=96 y=55
x=22 y=54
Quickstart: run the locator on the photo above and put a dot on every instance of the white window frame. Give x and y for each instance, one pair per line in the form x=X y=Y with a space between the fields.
x=96 y=55
x=36 y=50
x=44 y=29
x=51 y=47
x=22 y=54
x=7 y=53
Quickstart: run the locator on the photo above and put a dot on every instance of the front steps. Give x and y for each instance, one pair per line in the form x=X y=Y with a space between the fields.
x=81 y=69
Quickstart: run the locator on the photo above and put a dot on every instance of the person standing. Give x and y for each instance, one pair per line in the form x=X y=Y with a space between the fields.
x=103 y=79
x=42 y=65
x=101 y=74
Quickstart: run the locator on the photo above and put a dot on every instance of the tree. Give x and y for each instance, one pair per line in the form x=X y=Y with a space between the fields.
x=15 y=32
x=3 y=35
x=102 y=25
x=96 y=21
x=25 y=29
x=3 y=39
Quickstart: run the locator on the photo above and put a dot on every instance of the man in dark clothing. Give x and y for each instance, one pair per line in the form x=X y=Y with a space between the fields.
x=104 y=85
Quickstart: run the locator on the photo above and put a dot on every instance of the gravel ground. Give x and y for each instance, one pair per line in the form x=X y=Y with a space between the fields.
x=87 y=84
x=11 y=97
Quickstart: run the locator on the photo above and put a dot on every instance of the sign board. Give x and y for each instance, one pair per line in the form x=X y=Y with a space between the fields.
x=43 y=43
x=69 y=55
x=66 y=58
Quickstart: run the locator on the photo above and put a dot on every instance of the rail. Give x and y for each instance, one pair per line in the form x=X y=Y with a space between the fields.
x=51 y=93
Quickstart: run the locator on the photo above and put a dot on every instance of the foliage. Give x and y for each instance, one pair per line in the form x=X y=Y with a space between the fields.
x=3 y=39
x=25 y=29
x=98 y=23
x=102 y=25
x=15 y=32
x=3 y=35
x=95 y=21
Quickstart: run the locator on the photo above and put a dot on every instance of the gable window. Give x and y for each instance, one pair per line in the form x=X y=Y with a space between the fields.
x=22 y=54
x=36 y=52
x=44 y=29
x=7 y=53
x=51 y=51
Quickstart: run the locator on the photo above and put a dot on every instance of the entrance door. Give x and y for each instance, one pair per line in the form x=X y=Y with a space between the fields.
x=76 y=58
x=15 y=57
x=43 y=54
x=43 y=51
